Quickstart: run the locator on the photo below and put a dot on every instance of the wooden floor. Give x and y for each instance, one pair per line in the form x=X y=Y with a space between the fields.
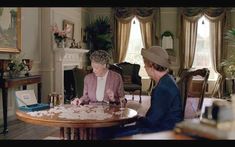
x=19 y=130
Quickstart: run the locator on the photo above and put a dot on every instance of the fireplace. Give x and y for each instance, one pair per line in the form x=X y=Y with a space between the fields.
x=69 y=85
x=67 y=59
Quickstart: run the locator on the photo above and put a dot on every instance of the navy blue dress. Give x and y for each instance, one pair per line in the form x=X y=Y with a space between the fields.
x=164 y=112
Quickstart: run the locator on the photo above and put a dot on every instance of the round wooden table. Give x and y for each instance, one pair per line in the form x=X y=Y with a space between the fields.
x=86 y=118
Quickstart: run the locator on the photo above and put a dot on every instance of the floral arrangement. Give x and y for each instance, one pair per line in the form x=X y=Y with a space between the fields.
x=16 y=65
x=60 y=36
x=229 y=63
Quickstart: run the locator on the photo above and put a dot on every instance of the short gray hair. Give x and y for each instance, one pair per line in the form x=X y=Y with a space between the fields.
x=100 y=56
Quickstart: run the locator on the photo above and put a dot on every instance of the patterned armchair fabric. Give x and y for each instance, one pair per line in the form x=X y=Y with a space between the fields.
x=131 y=78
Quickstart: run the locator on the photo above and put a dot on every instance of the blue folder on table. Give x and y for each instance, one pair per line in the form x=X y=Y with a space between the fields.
x=36 y=107
x=27 y=101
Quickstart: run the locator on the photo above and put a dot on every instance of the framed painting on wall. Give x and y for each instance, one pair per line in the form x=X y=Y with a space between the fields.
x=10 y=29
x=70 y=26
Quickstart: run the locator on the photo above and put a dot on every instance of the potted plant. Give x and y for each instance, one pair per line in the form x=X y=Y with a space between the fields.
x=229 y=63
x=99 y=36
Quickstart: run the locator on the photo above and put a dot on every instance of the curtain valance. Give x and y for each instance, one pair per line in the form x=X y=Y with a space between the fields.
x=194 y=13
x=125 y=14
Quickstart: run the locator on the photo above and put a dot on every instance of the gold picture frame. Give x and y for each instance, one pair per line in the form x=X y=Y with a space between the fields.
x=10 y=29
x=69 y=24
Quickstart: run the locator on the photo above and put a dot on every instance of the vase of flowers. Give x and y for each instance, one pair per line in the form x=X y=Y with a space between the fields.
x=16 y=66
x=60 y=36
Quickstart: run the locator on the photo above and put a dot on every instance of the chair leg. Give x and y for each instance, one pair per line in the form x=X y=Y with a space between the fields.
x=140 y=96
x=76 y=134
x=62 y=133
x=132 y=95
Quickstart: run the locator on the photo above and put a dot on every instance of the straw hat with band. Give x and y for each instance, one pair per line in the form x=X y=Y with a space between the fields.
x=156 y=55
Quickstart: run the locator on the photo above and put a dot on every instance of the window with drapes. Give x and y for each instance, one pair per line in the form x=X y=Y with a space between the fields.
x=219 y=21
x=135 y=45
x=203 y=57
x=149 y=31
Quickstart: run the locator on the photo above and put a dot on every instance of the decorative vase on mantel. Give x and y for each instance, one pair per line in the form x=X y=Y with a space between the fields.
x=60 y=44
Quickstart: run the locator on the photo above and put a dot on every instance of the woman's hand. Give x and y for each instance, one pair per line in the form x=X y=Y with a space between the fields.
x=76 y=101
x=110 y=95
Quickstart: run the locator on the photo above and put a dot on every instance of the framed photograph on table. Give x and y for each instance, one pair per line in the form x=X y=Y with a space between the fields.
x=10 y=29
x=69 y=25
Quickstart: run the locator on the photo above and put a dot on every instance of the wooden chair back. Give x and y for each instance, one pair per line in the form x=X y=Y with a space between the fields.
x=116 y=68
x=185 y=82
x=216 y=90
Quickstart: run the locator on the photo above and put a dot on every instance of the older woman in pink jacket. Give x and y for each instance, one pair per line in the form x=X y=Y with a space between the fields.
x=102 y=85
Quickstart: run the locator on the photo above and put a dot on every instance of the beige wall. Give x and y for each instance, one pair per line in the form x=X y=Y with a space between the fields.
x=169 y=23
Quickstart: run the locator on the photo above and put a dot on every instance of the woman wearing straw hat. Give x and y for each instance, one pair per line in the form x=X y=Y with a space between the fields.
x=165 y=108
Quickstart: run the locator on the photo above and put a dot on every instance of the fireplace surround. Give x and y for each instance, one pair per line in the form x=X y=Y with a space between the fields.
x=67 y=59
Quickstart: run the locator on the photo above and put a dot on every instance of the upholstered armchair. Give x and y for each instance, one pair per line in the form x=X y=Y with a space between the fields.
x=116 y=68
x=131 y=78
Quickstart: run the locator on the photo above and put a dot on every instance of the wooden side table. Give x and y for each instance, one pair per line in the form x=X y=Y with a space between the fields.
x=6 y=82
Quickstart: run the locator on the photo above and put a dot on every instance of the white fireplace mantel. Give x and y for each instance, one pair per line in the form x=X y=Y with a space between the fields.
x=67 y=58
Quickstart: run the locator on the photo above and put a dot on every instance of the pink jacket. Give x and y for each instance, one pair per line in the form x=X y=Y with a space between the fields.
x=113 y=82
